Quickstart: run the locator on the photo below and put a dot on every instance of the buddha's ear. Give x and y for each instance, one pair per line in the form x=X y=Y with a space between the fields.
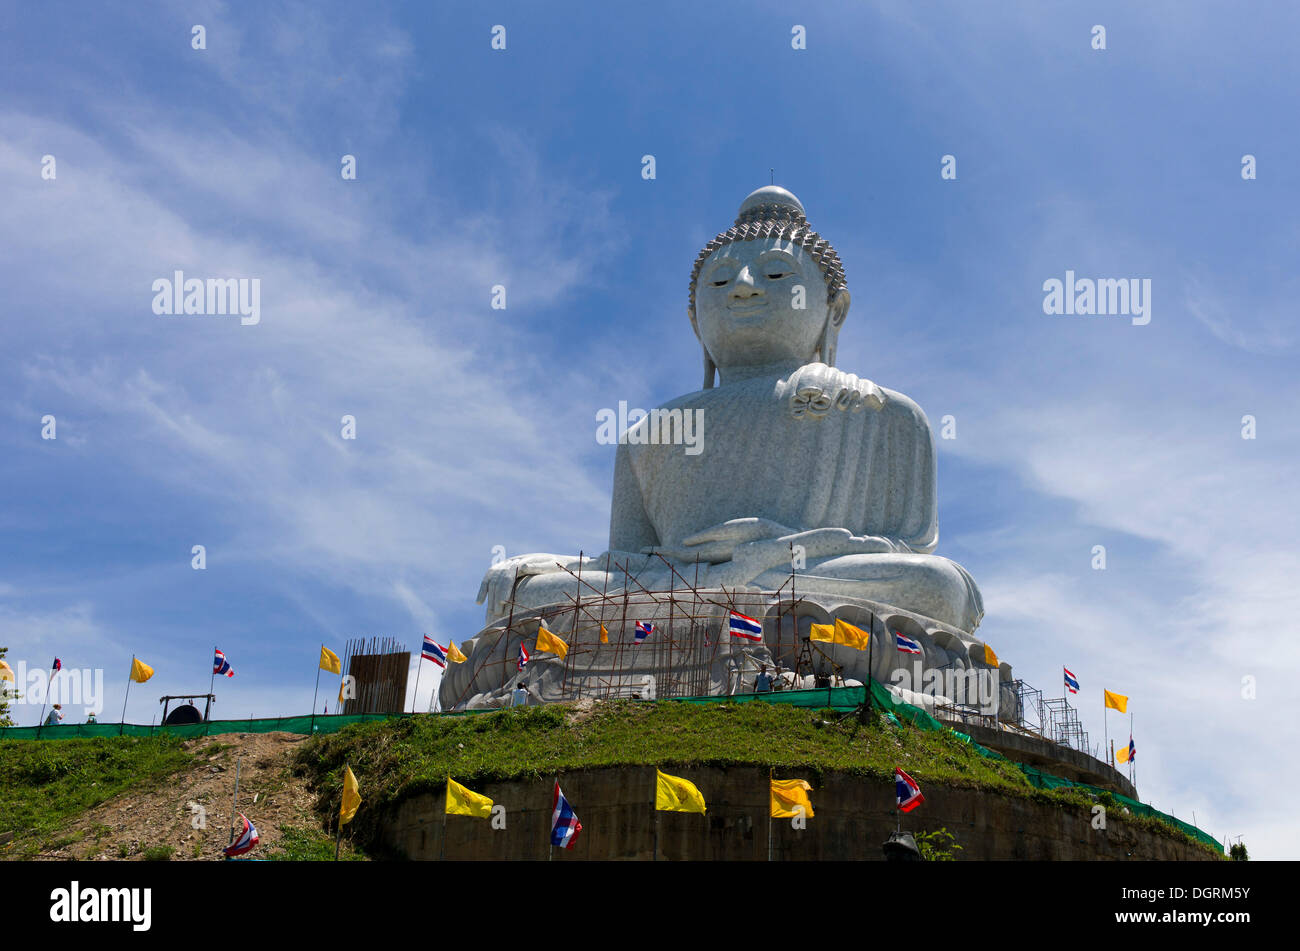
x=838 y=308
x=710 y=368
x=836 y=312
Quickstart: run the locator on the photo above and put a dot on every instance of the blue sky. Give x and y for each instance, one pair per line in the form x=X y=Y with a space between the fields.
x=476 y=427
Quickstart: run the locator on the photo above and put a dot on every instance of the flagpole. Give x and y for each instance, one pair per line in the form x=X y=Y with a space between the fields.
x=313 y=696
x=442 y=843
x=550 y=839
x=656 y=832
x=49 y=685
x=338 y=830
x=338 y=820
x=1130 y=750
x=769 y=812
x=121 y=727
x=211 y=680
x=1105 y=721
x=871 y=677
x=234 y=801
x=43 y=700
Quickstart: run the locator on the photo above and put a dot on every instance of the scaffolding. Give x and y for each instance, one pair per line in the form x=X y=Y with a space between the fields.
x=689 y=650
x=1061 y=724
x=378 y=669
x=1029 y=702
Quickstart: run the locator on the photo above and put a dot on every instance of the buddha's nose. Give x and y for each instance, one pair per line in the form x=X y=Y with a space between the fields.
x=744 y=287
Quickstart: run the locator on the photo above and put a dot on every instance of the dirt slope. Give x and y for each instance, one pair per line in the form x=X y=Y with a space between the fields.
x=269 y=795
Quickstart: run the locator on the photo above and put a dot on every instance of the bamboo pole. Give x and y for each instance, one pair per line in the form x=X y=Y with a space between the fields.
x=122 y=726
x=234 y=801
x=315 y=693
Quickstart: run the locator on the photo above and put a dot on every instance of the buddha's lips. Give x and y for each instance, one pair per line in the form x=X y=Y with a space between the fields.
x=747 y=311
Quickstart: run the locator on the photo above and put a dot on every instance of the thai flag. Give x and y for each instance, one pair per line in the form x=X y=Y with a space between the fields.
x=742 y=625
x=222 y=666
x=906 y=791
x=522 y=662
x=906 y=644
x=433 y=652
x=58 y=665
x=643 y=630
x=564 y=821
x=1071 y=682
x=246 y=842
x=1132 y=749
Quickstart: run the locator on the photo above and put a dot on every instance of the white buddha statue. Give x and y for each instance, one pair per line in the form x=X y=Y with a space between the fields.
x=793 y=452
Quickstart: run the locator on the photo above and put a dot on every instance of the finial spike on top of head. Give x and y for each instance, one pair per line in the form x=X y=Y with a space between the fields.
x=771 y=195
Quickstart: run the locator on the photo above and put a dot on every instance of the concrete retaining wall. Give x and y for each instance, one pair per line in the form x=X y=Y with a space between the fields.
x=853 y=817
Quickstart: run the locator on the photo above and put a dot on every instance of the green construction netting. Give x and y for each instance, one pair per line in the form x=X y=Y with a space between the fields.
x=322 y=724
x=884 y=700
x=1044 y=780
x=842 y=699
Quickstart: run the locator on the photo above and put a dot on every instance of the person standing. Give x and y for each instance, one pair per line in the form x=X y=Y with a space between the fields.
x=56 y=715
x=520 y=697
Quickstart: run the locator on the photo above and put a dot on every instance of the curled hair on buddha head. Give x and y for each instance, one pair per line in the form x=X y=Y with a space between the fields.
x=774 y=212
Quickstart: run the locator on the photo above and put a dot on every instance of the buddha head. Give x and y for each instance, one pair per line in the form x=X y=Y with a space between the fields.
x=769 y=291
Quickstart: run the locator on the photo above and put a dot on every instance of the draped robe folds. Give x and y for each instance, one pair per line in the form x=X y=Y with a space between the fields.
x=871 y=471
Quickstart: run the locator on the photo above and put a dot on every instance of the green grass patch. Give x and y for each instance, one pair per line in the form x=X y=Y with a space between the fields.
x=302 y=844
x=46 y=784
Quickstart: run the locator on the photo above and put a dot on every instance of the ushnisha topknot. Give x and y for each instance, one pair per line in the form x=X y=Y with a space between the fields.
x=774 y=212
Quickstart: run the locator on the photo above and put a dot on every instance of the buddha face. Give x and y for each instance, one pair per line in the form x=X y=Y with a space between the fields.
x=748 y=309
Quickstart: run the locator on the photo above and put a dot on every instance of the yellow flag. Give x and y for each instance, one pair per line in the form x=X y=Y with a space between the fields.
x=466 y=802
x=604 y=635
x=789 y=795
x=330 y=661
x=1116 y=701
x=351 y=797
x=6 y=672
x=841 y=632
x=850 y=636
x=546 y=641
x=140 y=671
x=341 y=697
x=990 y=658
x=674 y=794
x=454 y=655
x=1122 y=755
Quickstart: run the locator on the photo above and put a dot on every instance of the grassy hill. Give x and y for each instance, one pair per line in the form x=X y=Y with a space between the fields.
x=128 y=797
x=396 y=759
x=45 y=785
x=136 y=798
